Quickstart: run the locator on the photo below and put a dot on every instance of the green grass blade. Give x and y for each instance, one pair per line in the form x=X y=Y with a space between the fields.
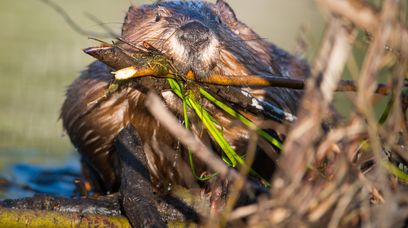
x=215 y=133
x=243 y=119
x=229 y=156
x=395 y=171
x=177 y=89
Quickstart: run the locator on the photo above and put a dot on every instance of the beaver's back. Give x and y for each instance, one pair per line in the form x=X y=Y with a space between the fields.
x=92 y=128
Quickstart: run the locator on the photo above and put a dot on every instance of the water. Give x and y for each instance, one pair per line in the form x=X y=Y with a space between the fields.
x=25 y=180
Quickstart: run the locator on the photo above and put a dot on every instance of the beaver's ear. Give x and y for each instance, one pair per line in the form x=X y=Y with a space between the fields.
x=134 y=17
x=226 y=12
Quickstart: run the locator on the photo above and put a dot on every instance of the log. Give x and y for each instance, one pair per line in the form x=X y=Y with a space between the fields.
x=43 y=218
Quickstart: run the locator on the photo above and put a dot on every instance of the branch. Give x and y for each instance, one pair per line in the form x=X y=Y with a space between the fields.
x=77 y=28
x=237 y=80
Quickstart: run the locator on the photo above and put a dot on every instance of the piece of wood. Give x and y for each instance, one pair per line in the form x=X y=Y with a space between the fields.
x=138 y=200
x=43 y=218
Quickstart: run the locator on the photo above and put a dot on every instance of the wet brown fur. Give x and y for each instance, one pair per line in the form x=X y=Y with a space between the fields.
x=239 y=51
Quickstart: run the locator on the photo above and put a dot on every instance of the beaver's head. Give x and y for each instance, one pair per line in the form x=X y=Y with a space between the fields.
x=203 y=37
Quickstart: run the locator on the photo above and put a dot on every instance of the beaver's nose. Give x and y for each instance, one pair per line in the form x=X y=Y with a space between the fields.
x=194 y=33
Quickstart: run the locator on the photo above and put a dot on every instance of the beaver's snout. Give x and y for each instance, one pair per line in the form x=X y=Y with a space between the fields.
x=194 y=34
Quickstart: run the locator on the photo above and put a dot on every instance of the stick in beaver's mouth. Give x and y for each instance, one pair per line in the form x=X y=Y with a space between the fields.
x=158 y=66
x=138 y=65
x=143 y=64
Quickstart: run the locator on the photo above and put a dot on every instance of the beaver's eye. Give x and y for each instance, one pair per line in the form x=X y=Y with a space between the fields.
x=158 y=17
x=218 y=20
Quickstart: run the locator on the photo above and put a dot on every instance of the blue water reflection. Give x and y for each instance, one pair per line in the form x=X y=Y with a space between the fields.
x=25 y=180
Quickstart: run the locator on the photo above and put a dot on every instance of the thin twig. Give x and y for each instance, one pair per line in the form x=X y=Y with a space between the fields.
x=71 y=23
x=102 y=25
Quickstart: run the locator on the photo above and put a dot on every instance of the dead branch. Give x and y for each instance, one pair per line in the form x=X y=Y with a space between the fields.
x=237 y=80
x=75 y=26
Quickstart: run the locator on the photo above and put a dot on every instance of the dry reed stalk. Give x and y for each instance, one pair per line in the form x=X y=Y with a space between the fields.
x=328 y=178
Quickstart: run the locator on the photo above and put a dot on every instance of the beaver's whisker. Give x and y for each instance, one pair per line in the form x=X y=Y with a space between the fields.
x=139 y=48
x=167 y=39
x=245 y=40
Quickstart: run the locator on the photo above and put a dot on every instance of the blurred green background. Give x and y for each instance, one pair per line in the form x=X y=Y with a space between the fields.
x=40 y=55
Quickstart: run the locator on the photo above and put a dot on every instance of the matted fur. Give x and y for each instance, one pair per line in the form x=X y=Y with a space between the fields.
x=233 y=49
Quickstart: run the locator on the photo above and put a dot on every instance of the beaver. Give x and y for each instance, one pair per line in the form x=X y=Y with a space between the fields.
x=202 y=37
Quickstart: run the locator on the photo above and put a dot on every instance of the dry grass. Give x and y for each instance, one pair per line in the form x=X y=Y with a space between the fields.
x=323 y=179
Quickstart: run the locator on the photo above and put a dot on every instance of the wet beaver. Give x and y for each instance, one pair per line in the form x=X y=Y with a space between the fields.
x=203 y=37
